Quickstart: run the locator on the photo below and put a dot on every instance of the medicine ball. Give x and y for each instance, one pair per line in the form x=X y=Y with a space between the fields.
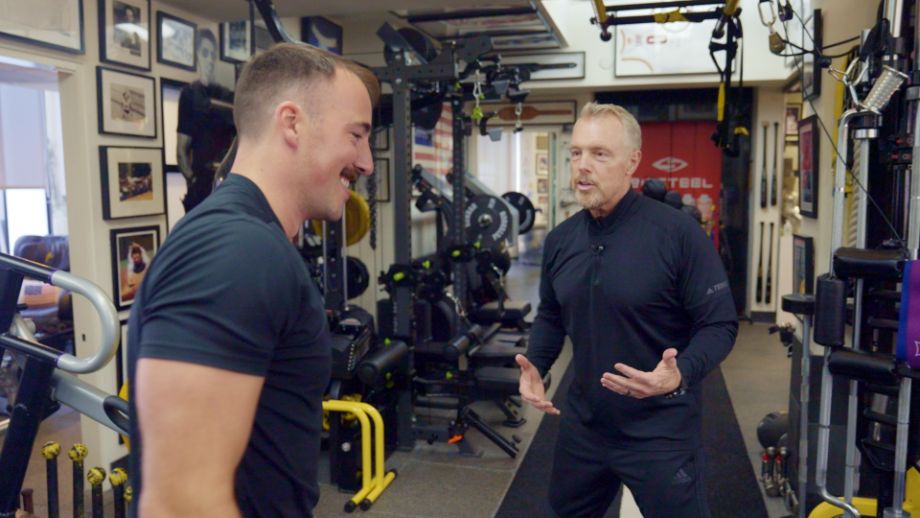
x=771 y=428
x=655 y=189
x=673 y=199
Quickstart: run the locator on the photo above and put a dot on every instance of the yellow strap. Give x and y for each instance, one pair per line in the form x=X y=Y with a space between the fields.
x=671 y=16
x=721 y=103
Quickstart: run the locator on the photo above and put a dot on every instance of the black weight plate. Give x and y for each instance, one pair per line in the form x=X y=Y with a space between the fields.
x=526 y=212
x=487 y=220
x=358 y=277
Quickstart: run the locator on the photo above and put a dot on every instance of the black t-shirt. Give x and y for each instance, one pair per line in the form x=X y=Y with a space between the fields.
x=625 y=288
x=209 y=126
x=228 y=290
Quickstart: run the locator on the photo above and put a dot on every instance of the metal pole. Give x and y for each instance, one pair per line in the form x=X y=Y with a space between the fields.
x=803 y=415
x=458 y=204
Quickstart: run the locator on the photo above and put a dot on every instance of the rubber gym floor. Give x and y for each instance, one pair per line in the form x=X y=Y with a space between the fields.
x=434 y=481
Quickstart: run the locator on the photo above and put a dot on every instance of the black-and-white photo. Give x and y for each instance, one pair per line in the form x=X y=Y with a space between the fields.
x=127 y=18
x=127 y=103
x=124 y=32
x=60 y=26
x=176 y=44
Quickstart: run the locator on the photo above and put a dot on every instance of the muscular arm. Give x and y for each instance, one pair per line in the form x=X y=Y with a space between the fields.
x=195 y=422
x=184 y=155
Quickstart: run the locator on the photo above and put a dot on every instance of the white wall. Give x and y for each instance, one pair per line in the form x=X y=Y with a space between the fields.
x=572 y=18
x=89 y=232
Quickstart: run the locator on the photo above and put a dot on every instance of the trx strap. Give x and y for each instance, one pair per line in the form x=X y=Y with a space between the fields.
x=728 y=132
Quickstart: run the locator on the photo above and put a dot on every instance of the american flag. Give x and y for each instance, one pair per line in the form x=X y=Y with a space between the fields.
x=433 y=149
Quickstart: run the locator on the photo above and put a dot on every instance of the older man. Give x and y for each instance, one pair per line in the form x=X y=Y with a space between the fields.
x=642 y=295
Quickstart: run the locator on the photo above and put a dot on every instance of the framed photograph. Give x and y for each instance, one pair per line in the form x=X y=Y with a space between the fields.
x=382 y=173
x=541 y=163
x=519 y=42
x=808 y=166
x=542 y=185
x=132 y=250
x=124 y=32
x=568 y=65
x=322 y=33
x=127 y=103
x=803 y=265
x=60 y=28
x=121 y=360
x=261 y=39
x=133 y=182
x=176 y=45
x=235 y=41
x=121 y=364
x=811 y=68
x=170 y=90
x=380 y=140
x=793 y=114
x=532 y=113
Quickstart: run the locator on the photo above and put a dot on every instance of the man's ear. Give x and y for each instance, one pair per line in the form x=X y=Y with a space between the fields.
x=288 y=121
x=634 y=159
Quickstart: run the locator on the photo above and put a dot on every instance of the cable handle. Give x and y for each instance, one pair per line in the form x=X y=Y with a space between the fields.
x=108 y=316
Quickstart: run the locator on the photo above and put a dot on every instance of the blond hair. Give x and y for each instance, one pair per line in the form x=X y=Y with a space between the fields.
x=630 y=124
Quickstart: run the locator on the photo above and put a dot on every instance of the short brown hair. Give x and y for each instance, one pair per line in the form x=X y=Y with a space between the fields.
x=267 y=75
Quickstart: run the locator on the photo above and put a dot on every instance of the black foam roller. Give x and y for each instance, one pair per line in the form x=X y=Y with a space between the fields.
x=375 y=365
x=830 y=311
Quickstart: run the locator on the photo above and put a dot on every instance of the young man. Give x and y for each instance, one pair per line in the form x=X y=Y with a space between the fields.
x=642 y=295
x=205 y=129
x=229 y=346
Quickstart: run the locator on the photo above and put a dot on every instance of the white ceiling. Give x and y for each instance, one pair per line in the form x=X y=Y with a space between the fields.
x=229 y=10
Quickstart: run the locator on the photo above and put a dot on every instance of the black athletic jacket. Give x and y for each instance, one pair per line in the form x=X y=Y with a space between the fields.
x=625 y=288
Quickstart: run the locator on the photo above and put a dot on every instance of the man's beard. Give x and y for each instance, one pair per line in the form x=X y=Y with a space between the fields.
x=591 y=199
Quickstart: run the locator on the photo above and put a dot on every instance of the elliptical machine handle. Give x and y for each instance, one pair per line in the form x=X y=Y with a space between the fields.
x=108 y=316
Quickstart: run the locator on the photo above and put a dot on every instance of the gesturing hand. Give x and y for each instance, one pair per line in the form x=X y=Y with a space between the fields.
x=531 y=386
x=640 y=384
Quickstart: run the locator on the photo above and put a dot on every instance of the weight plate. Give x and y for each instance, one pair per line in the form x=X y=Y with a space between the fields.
x=526 y=211
x=487 y=220
x=358 y=277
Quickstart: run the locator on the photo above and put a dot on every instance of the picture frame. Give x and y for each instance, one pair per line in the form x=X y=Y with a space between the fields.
x=124 y=33
x=127 y=103
x=791 y=121
x=808 y=166
x=177 y=42
x=803 y=265
x=121 y=359
x=121 y=364
x=382 y=172
x=133 y=182
x=380 y=139
x=170 y=91
x=62 y=32
x=235 y=41
x=321 y=32
x=811 y=67
x=534 y=113
x=541 y=163
x=260 y=38
x=542 y=185
x=551 y=58
x=130 y=262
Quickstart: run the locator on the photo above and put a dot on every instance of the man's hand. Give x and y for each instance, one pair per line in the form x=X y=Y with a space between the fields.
x=531 y=386
x=639 y=384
